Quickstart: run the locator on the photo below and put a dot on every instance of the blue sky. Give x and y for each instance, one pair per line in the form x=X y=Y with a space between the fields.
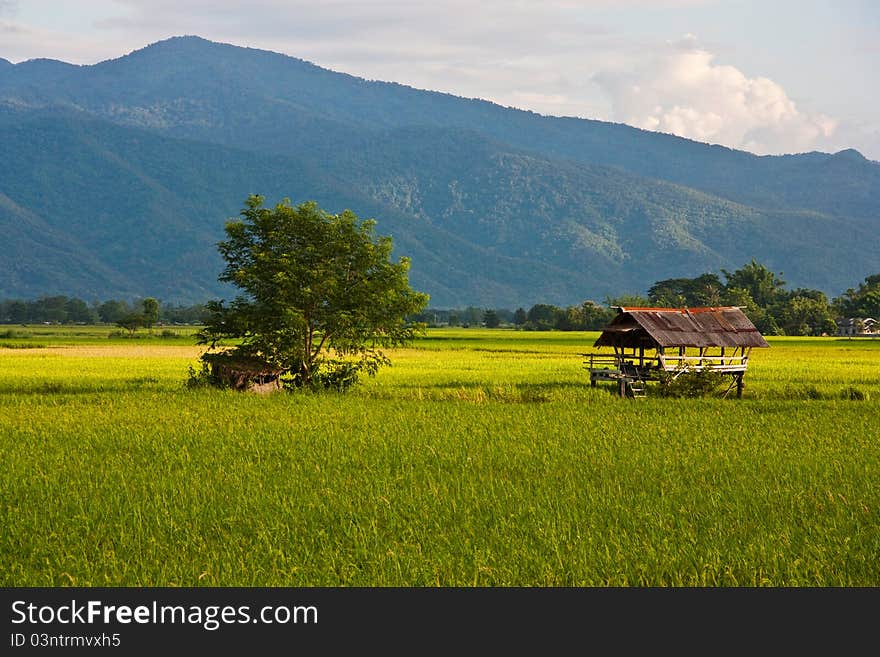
x=769 y=77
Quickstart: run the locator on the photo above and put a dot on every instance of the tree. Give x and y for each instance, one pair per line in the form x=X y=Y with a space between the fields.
x=471 y=316
x=704 y=290
x=594 y=316
x=78 y=311
x=112 y=311
x=520 y=317
x=491 y=319
x=763 y=285
x=52 y=309
x=806 y=314
x=542 y=317
x=321 y=297
x=19 y=312
x=151 y=311
x=763 y=321
x=864 y=302
x=627 y=301
x=130 y=322
x=195 y=314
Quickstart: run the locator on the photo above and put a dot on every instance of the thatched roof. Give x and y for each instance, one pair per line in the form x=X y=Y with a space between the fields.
x=725 y=326
x=249 y=366
x=244 y=373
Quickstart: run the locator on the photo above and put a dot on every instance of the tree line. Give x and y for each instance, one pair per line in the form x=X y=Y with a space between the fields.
x=761 y=292
x=60 y=309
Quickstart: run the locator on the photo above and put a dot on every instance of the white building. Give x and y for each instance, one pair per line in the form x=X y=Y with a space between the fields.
x=858 y=326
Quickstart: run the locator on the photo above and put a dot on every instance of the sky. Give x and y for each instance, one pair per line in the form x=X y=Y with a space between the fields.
x=766 y=76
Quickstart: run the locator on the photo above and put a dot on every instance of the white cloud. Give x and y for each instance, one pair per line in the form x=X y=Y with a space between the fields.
x=683 y=91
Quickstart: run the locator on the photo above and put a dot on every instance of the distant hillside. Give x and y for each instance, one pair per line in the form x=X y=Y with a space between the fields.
x=104 y=210
x=126 y=171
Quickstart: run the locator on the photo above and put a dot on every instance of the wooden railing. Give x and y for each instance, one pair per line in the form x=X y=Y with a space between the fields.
x=667 y=362
x=602 y=361
x=676 y=363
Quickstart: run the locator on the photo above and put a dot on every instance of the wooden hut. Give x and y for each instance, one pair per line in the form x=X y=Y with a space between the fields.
x=659 y=344
x=244 y=374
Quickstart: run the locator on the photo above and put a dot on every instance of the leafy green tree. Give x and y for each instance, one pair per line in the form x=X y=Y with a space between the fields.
x=320 y=294
x=505 y=315
x=130 y=322
x=627 y=301
x=569 y=319
x=704 y=290
x=587 y=316
x=543 y=317
x=595 y=317
x=471 y=316
x=763 y=285
x=78 y=311
x=112 y=311
x=52 y=309
x=668 y=293
x=178 y=314
x=150 y=311
x=763 y=321
x=520 y=317
x=491 y=319
x=863 y=302
x=806 y=315
x=18 y=312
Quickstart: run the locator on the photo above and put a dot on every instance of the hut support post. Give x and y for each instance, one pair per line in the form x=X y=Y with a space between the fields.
x=739 y=386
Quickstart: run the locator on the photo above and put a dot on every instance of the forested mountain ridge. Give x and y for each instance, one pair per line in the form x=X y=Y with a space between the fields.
x=124 y=172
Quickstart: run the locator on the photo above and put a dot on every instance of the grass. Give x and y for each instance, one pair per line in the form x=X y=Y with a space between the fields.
x=44 y=335
x=478 y=458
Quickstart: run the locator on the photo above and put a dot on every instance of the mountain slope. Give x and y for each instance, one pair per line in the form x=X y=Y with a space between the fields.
x=45 y=256
x=124 y=173
x=484 y=224
x=615 y=229
x=150 y=210
x=250 y=98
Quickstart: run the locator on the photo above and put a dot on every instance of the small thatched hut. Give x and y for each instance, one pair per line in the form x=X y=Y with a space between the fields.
x=652 y=343
x=245 y=374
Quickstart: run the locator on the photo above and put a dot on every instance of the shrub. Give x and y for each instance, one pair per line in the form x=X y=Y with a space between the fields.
x=202 y=377
x=700 y=383
x=125 y=334
x=334 y=374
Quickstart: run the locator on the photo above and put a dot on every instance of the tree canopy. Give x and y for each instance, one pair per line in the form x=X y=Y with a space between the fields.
x=320 y=298
x=863 y=302
x=760 y=292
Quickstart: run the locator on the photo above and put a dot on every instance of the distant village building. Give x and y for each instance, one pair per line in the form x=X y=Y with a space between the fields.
x=858 y=327
x=660 y=344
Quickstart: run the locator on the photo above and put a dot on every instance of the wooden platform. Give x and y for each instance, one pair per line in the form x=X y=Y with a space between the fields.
x=661 y=344
x=632 y=371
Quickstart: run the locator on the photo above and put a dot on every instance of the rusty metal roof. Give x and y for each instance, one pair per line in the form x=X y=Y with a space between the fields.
x=725 y=326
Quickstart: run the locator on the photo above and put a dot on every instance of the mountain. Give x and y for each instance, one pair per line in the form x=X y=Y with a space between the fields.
x=126 y=171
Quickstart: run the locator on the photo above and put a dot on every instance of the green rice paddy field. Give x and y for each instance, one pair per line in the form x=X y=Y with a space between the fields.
x=480 y=458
